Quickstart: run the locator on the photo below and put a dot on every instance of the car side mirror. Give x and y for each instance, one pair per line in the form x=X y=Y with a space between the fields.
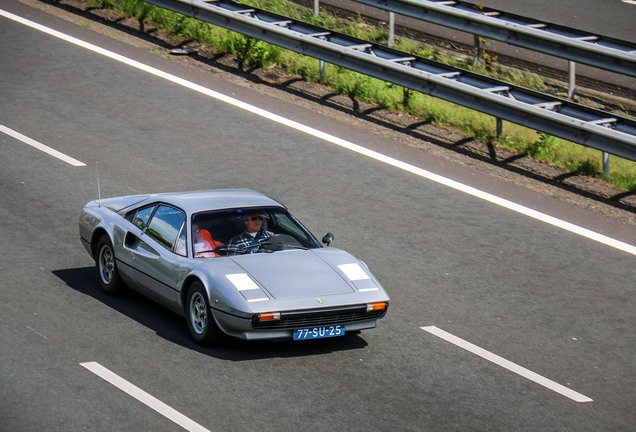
x=327 y=239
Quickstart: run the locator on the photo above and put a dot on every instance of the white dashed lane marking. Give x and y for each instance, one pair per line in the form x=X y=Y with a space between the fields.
x=38 y=145
x=143 y=397
x=506 y=364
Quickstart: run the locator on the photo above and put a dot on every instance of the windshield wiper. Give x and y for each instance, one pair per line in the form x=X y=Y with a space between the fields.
x=278 y=246
x=240 y=250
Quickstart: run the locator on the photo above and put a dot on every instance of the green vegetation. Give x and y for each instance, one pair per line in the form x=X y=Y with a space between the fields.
x=255 y=53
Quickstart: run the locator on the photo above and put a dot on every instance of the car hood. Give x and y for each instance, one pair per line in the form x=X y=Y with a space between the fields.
x=298 y=273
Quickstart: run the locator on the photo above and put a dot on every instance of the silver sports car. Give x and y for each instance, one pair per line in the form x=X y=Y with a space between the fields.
x=231 y=261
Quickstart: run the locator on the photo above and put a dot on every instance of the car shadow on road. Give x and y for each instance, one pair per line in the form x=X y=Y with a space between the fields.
x=172 y=327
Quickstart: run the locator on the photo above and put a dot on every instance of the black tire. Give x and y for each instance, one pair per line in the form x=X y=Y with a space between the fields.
x=199 y=317
x=107 y=273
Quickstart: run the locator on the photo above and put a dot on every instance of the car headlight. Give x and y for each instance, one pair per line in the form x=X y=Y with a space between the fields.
x=359 y=277
x=247 y=287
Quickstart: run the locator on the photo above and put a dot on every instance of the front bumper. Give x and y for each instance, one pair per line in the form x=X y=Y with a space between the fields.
x=354 y=318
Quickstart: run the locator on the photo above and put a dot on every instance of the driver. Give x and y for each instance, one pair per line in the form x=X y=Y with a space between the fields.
x=253 y=235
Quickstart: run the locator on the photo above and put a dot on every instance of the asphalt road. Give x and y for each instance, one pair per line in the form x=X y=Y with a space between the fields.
x=546 y=299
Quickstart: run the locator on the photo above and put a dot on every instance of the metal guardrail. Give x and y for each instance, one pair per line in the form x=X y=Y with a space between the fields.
x=560 y=41
x=558 y=117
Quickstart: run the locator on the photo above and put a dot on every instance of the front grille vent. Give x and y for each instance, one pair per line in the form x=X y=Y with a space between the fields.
x=289 y=320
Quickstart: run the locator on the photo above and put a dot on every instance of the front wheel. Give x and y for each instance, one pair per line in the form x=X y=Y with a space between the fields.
x=109 y=279
x=201 y=323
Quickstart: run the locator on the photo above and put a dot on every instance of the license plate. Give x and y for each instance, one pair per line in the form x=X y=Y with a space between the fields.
x=319 y=332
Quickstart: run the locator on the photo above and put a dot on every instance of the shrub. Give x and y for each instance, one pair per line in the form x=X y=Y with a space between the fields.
x=542 y=146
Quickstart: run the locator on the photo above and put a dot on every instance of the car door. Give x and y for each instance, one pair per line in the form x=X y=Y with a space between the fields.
x=127 y=239
x=158 y=253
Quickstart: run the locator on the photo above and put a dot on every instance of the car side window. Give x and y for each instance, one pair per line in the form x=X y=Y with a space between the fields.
x=142 y=216
x=165 y=225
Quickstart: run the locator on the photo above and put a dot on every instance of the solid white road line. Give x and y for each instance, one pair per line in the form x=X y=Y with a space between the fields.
x=41 y=147
x=526 y=373
x=144 y=397
x=337 y=141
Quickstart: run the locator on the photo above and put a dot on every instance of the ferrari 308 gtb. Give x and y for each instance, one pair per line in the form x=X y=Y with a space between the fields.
x=231 y=261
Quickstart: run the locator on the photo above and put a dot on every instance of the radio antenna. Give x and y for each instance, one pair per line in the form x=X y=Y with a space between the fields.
x=99 y=193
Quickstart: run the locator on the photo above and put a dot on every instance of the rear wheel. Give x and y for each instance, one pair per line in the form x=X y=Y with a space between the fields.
x=201 y=323
x=108 y=275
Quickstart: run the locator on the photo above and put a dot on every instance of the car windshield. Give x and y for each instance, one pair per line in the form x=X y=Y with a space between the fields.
x=248 y=230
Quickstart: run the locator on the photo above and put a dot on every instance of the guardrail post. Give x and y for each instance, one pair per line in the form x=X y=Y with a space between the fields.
x=571 y=78
x=322 y=71
x=391 y=29
x=407 y=97
x=499 y=127
x=606 y=164
x=316 y=7
x=476 y=49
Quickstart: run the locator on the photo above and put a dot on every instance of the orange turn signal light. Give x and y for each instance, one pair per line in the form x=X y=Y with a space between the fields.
x=268 y=316
x=376 y=306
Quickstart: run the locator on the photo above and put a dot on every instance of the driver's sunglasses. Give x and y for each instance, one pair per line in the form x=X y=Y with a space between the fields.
x=256 y=217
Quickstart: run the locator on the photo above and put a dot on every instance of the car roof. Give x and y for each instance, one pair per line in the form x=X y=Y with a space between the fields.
x=214 y=199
